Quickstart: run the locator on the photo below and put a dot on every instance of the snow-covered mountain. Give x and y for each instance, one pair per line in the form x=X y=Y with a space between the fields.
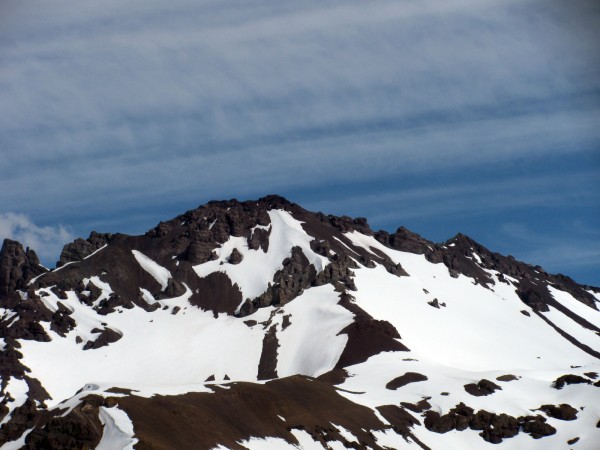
x=255 y=325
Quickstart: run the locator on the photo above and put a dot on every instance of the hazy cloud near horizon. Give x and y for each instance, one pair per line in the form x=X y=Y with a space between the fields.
x=47 y=241
x=110 y=105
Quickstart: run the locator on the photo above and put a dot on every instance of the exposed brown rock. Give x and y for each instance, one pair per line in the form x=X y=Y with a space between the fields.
x=236 y=257
x=267 y=366
x=506 y=378
x=80 y=429
x=494 y=427
x=366 y=336
x=561 y=412
x=17 y=267
x=419 y=407
x=402 y=422
x=483 y=387
x=403 y=380
x=228 y=416
x=537 y=427
x=81 y=248
x=105 y=337
x=217 y=293
x=563 y=380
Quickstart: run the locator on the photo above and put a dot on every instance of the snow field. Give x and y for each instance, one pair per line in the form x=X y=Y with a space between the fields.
x=479 y=329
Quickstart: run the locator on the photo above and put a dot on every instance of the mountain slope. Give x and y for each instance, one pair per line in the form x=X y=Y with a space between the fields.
x=262 y=325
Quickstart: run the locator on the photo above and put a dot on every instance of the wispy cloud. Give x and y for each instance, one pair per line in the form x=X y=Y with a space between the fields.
x=109 y=105
x=47 y=241
x=563 y=250
x=470 y=196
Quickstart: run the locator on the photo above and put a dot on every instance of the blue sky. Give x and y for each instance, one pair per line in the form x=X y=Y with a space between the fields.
x=475 y=116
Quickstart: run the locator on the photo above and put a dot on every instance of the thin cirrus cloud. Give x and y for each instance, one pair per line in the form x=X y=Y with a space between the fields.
x=470 y=199
x=109 y=105
x=563 y=250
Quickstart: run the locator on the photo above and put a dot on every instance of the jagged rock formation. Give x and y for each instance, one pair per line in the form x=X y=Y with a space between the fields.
x=333 y=312
x=17 y=267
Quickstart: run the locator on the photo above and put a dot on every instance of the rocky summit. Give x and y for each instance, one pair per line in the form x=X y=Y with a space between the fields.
x=261 y=325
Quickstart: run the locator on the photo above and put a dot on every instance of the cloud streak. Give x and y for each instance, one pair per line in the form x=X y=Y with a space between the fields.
x=110 y=105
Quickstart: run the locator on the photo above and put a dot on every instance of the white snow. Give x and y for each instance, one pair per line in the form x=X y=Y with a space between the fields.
x=268 y=443
x=118 y=430
x=305 y=440
x=316 y=319
x=18 y=390
x=471 y=331
x=159 y=351
x=565 y=323
x=346 y=434
x=96 y=251
x=567 y=300
x=62 y=267
x=389 y=439
x=103 y=286
x=147 y=296
x=476 y=257
x=34 y=279
x=595 y=294
x=17 y=444
x=257 y=268
x=159 y=273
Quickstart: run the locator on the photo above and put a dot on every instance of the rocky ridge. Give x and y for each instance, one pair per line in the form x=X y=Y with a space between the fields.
x=113 y=274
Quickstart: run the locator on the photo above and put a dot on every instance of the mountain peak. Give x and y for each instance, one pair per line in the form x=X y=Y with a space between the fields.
x=235 y=307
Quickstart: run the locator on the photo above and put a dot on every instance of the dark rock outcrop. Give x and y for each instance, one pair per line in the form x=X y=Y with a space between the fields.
x=403 y=380
x=482 y=387
x=236 y=257
x=494 y=427
x=79 y=249
x=564 y=380
x=229 y=415
x=561 y=412
x=267 y=366
x=105 y=337
x=17 y=267
x=80 y=429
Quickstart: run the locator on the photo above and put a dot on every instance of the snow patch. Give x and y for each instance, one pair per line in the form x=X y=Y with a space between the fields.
x=312 y=345
x=118 y=430
x=96 y=251
x=268 y=443
x=147 y=296
x=17 y=444
x=18 y=390
x=159 y=273
x=305 y=440
x=103 y=286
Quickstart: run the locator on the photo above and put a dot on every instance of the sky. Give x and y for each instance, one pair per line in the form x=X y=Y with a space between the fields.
x=480 y=117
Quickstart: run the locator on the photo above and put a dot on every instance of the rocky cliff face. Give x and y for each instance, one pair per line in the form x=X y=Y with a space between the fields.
x=17 y=267
x=235 y=292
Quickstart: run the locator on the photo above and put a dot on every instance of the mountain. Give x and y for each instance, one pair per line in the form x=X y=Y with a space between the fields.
x=259 y=325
